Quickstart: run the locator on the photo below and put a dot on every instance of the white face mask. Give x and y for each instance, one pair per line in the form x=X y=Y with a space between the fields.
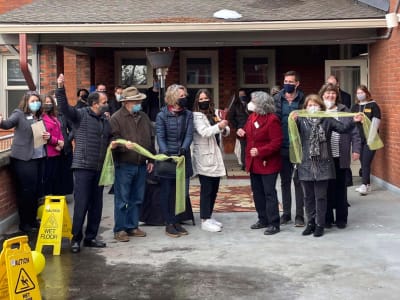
x=361 y=97
x=251 y=106
x=313 y=109
x=329 y=104
x=118 y=97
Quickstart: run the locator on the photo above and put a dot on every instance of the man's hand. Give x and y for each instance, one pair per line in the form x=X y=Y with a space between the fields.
x=60 y=81
x=150 y=167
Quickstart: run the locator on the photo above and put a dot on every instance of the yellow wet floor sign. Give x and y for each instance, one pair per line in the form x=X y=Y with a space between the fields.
x=55 y=224
x=17 y=273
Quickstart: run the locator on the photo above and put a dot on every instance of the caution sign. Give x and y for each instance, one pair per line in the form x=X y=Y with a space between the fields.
x=55 y=225
x=20 y=272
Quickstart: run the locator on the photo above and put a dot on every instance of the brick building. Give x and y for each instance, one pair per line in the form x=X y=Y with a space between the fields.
x=348 y=38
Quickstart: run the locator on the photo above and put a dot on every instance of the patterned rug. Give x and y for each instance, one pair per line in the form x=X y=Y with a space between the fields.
x=229 y=199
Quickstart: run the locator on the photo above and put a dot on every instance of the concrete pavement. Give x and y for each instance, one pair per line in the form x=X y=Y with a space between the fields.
x=359 y=262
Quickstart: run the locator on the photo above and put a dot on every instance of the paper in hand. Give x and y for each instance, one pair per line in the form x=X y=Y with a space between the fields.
x=38 y=129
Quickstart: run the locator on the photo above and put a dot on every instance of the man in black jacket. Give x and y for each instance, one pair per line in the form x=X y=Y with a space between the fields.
x=92 y=136
x=345 y=98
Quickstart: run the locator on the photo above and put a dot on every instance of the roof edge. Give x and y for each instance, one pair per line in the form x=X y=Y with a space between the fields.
x=194 y=27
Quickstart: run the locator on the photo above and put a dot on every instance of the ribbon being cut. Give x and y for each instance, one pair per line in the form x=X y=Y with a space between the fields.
x=374 y=141
x=108 y=171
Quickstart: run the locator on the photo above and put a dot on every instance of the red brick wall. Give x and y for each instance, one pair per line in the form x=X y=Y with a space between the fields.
x=7 y=193
x=7 y=5
x=48 y=68
x=384 y=70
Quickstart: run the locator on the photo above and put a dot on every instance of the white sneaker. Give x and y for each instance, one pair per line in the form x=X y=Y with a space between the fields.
x=207 y=225
x=216 y=222
x=363 y=190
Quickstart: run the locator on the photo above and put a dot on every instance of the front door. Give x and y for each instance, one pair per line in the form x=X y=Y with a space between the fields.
x=350 y=73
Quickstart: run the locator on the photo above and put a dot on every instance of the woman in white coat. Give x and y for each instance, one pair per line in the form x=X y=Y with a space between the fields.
x=207 y=158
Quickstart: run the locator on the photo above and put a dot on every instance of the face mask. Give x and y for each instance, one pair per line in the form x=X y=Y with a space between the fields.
x=289 y=88
x=103 y=109
x=182 y=102
x=329 y=104
x=244 y=99
x=118 y=97
x=251 y=106
x=35 y=106
x=313 y=109
x=204 y=105
x=136 y=108
x=48 y=107
x=361 y=97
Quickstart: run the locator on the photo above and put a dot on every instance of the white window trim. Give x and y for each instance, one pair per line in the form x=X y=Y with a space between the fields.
x=3 y=83
x=270 y=53
x=120 y=55
x=213 y=54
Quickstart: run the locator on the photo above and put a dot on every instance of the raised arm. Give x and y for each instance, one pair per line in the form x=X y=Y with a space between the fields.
x=69 y=111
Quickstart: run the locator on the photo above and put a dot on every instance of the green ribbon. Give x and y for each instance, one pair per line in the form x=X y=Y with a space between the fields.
x=108 y=172
x=295 y=151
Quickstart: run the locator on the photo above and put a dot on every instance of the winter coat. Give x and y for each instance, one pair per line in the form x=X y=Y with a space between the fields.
x=238 y=114
x=175 y=134
x=322 y=167
x=92 y=134
x=263 y=132
x=136 y=128
x=53 y=127
x=207 y=156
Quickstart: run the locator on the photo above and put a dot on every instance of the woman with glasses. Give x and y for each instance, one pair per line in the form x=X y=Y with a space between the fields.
x=27 y=161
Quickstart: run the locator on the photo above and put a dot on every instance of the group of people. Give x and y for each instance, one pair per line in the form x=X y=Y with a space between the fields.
x=262 y=125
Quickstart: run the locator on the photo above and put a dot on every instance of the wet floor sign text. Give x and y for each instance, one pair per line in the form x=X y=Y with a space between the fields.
x=55 y=224
x=18 y=279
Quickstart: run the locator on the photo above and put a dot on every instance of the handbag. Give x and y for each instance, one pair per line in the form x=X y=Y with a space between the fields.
x=165 y=168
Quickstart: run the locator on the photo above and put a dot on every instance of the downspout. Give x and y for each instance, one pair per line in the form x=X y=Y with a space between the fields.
x=23 y=61
x=388 y=33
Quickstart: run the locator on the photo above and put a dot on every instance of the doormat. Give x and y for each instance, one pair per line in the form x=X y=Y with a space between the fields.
x=229 y=199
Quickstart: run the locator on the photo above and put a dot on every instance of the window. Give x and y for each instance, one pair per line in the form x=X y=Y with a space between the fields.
x=199 y=69
x=133 y=69
x=256 y=69
x=14 y=82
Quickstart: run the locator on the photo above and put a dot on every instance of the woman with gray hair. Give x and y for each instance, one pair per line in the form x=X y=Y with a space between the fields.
x=263 y=134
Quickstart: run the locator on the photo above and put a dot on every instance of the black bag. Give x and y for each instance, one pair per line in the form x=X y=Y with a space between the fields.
x=165 y=168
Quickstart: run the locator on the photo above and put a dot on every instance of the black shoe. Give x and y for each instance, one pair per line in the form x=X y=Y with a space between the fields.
x=171 y=231
x=328 y=225
x=271 y=230
x=309 y=229
x=341 y=225
x=299 y=221
x=285 y=219
x=94 y=243
x=75 y=247
x=180 y=229
x=258 y=225
x=319 y=231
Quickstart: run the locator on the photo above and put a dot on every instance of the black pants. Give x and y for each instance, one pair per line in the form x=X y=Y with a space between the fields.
x=366 y=157
x=29 y=188
x=208 y=193
x=88 y=196
x=243 y=152
x=337 y=196
x=265 y=198
x=315 y=200
x=287 y=175
x=51 y=175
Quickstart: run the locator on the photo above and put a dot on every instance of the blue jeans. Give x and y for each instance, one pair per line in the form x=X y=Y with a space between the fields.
x=129 y=186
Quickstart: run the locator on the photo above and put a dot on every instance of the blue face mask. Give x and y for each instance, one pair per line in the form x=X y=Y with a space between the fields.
x=35 y=106
x=289 y=88
x=136 y=108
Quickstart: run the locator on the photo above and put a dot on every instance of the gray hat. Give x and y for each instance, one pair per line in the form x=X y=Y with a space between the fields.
x=132 y=94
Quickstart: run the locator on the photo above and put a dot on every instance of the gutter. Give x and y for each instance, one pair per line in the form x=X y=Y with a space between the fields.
x=389 y=30
x=193 y=27
x=23 y=61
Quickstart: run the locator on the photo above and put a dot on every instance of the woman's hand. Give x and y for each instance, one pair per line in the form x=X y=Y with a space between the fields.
x=240 y=132
x=129 y=145
x=358 y=117
x=60 y=144
x=222 y=124
x=60 y=81
x=294 y=115
x=254 y=152
x=355 y=156
x=46 y=136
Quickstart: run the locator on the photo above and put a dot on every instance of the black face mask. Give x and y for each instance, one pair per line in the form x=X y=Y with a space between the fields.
x=183 y=102
x=244 y=99
x=204 y=105
x=48 y=107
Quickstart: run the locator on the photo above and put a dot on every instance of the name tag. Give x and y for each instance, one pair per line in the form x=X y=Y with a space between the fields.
x=29 y=117
x=367 y=110
x=256 y=125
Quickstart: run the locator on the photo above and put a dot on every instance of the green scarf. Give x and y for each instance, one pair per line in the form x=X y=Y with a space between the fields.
x=108 y=172
x=295 y=151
